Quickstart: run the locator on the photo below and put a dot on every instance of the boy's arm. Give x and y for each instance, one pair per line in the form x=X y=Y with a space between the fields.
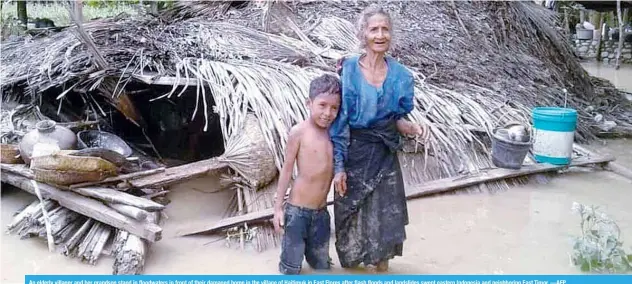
x=291 y=152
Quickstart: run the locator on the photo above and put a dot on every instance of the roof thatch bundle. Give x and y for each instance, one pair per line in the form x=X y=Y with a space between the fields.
x=477 y=64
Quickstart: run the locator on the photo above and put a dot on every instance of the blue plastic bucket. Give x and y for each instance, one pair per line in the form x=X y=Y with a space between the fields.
x=553 y=134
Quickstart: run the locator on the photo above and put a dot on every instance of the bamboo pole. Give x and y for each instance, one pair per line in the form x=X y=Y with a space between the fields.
x=241 y=212
x=621 y=36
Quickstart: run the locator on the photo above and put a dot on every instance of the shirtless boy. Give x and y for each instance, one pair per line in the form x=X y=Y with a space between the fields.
x=304 y=217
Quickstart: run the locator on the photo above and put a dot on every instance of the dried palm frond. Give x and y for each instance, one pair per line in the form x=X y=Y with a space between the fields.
x=194 y=9
x=335 y=33
x=254 y=201
x=63 y=58
x=249 y=155
x=221 y=40
x=274 y=92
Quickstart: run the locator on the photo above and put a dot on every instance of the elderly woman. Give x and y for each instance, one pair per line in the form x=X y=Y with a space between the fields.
x=370 y=207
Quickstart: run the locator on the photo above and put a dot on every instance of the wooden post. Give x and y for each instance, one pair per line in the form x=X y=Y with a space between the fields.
x=79 y=11
x=621 y=35
x=22 y=15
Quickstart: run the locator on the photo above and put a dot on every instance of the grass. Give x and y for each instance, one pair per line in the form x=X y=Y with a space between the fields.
x=59 y=14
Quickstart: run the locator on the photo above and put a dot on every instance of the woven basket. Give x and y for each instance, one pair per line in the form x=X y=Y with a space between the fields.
x=68 y=177
x=248 y=154
x=10 y=154
x=64 y=169
x=61 y=162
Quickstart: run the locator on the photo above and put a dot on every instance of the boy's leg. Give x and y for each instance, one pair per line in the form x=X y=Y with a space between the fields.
x=293 y=243
x=317 y=244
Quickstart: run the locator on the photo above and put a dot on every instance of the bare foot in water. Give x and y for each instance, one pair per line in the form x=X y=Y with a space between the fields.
x=382 y=266
x=354 y=269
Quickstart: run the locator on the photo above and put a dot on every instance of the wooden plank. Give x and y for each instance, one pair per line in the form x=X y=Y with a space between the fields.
x=119 y=178
x=130 y=211
x=178 y=174
x=102 y=193
x=612 y=166
x=415 y=191
x=88 y=207
x=19 y=169
x=117 y=197
x=494 y=174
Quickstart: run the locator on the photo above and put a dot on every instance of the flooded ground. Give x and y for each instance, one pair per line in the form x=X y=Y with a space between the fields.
x=526 y=230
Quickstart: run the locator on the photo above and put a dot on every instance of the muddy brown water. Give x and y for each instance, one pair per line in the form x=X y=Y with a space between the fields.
x=525 y=230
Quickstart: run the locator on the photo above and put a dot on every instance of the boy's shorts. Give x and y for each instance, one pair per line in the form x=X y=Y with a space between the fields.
x=307 y=233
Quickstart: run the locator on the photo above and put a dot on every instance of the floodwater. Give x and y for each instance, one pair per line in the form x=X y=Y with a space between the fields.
x=621 y=78
x=525 y=230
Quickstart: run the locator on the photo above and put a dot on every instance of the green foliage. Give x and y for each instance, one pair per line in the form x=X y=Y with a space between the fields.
x=108 y=3
x=59 y=13
x=116 y=3
x=599 y=249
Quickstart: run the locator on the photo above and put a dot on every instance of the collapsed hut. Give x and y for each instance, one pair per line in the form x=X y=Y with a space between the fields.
x=216 y=86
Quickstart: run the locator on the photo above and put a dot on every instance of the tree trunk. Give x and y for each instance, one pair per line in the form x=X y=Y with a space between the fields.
x=567 y=27
x=154 y=7
x=601 y=28
x=595 y=19
x=22 y=15
x=621 y=35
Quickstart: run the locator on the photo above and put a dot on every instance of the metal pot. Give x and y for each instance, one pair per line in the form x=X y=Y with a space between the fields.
x=105 y=140
x=584 y=34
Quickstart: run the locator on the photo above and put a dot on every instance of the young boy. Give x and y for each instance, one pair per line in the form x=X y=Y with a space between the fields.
x=304 y=218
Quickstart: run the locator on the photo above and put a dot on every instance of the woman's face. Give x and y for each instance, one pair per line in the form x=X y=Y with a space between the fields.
x=378 y=33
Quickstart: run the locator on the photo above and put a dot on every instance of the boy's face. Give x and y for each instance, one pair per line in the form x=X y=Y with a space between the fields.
x=324 y=108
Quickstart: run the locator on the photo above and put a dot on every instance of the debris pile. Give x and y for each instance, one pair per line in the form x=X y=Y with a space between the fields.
x=78 y=236
x=84 y=200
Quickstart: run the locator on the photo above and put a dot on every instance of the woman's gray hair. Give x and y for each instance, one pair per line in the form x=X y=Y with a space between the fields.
x=363 y=21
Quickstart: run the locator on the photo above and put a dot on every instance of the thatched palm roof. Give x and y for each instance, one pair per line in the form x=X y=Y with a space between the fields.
x=478 y=64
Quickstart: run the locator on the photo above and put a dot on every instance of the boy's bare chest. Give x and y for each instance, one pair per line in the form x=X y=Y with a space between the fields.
x=316 y=148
